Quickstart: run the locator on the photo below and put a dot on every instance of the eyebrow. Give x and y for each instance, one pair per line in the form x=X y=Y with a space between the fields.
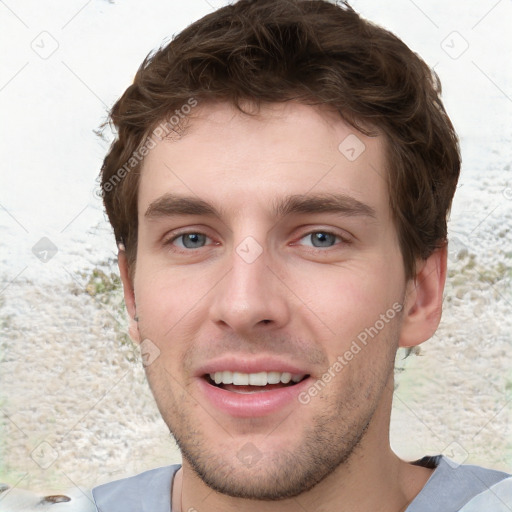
x=322 y=203
x=170 y=205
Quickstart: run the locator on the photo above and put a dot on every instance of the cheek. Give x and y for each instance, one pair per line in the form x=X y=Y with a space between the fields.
x=346 y=301
x=167 y=301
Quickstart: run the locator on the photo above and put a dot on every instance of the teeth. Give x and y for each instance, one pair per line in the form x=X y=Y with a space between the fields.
x=273 y=377
x=227 y=377
x=258 y=379
x=286 y=377
x=240 y=379
x=254 y=379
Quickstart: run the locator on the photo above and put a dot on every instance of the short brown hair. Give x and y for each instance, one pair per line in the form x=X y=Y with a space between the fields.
x=315 y=52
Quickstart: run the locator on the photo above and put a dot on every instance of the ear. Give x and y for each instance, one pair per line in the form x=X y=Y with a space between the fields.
x=129 y=295
x=424 y=300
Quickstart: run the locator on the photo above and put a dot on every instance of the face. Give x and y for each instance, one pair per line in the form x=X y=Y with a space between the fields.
x=269 y=282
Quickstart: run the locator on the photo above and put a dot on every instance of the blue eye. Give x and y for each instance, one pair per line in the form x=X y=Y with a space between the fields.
x=191 y=240
x=321 y=239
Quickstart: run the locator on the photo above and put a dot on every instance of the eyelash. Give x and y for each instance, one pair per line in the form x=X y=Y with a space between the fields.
x=341 y=239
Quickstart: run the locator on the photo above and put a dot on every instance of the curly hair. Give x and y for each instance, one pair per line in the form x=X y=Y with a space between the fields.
x=315 y=52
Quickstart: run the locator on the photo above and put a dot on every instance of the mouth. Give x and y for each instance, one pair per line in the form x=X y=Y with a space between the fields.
x=249 y=383
x=254 y=394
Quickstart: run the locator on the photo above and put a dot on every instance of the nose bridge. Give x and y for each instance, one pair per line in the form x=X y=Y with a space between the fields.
x=250 y=296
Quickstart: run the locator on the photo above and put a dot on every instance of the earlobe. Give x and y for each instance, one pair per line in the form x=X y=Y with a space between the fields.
x=129 y=295
x=424 y=300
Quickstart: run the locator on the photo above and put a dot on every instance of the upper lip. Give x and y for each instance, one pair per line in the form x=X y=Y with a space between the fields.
x=250 y=364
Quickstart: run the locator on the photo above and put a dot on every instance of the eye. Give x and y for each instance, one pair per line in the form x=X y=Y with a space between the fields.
x=319 y=239
x=189 y=240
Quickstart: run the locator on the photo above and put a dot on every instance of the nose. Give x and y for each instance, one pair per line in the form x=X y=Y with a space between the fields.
x=251 y=297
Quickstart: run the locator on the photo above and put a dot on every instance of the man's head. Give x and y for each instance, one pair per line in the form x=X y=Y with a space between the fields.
x=309 y=51
x=291 y=228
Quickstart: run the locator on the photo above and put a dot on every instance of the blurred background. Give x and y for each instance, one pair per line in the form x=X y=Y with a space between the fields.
x=75 y=409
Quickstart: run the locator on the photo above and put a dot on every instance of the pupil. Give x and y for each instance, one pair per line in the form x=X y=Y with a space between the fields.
x=192 y=240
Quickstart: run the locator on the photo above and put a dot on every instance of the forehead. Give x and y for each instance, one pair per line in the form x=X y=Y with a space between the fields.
x=238 y=161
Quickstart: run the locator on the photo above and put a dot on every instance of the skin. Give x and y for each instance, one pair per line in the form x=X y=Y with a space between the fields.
x=301 y=303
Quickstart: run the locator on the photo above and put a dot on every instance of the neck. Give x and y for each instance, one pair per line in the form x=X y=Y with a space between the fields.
x=386 y=484
x=373 y=479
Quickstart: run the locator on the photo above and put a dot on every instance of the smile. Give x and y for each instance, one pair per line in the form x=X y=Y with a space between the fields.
x=255 y=394
x=239 y=382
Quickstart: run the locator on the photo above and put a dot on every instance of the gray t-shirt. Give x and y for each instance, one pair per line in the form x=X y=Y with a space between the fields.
x=450 y=488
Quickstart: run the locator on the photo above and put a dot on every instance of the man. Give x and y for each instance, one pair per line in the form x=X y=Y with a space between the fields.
x=279 y=190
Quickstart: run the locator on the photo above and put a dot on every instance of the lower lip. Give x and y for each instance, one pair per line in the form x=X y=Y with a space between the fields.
x=251 y=405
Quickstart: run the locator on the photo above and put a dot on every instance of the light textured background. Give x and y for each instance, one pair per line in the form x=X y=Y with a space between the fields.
x=74 y=406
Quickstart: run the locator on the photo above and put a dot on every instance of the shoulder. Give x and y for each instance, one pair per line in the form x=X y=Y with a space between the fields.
x=497 y=498
x=453 y=486
x=152 y=488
